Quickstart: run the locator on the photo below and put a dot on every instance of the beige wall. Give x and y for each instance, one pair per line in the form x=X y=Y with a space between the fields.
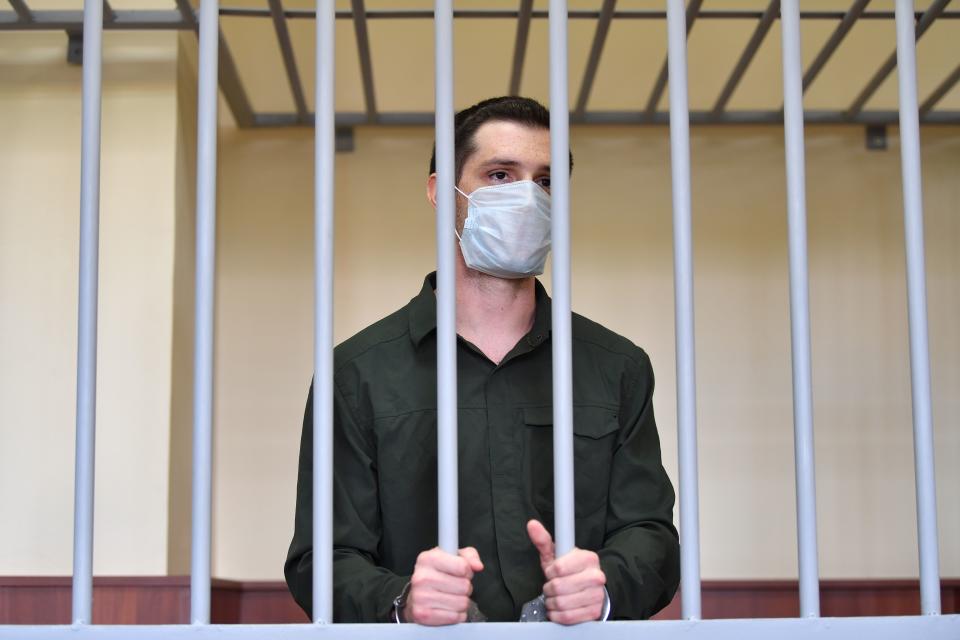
x=39 y=205
x=623 y=278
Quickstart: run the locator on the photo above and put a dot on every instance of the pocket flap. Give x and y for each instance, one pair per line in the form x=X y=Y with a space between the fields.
x=592 y=422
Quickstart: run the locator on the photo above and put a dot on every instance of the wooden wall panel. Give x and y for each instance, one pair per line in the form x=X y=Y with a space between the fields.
x=166 y=600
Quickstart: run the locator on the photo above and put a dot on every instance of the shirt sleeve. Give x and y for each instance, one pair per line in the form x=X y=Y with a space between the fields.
x=362 y=590
x=641 y=551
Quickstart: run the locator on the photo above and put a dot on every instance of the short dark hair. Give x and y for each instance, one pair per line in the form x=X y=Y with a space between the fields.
x=525 y=111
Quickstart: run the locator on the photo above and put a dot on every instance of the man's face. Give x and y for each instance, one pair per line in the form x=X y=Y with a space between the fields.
x=505 y=152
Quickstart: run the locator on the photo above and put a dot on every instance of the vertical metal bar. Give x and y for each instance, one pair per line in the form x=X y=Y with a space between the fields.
x=917 y=311
x=660 y=85
x=87 y=313
x=561 y=332
x=799 y=311
x=683 y=301
x=203 y=319
x=447 y=507
x=925 y=22
x=324 y=144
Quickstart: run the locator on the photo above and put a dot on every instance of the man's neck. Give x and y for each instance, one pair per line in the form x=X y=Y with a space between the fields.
x=493 y=313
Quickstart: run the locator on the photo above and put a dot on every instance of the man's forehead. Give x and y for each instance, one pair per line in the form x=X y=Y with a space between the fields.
x=511 y=141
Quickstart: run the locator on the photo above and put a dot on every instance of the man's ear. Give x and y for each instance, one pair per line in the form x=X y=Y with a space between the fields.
x=432 y=189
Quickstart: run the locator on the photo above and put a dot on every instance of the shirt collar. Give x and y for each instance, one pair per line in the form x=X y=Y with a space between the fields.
x=423 y=313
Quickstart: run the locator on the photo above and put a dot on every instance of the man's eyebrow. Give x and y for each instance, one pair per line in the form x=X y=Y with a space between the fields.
x=507 y=162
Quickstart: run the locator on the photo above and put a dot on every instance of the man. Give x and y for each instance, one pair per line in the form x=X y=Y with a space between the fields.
x=386 y=563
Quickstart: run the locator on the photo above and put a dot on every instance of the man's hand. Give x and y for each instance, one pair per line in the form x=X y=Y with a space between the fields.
x=440 y=587
x=574 y=588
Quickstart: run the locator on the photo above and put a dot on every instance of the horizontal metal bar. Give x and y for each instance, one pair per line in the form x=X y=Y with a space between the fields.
x=425 y=118
x=876 y=628
x=161 y=20
x=125 y=20
x=942 y=89
x=109 y=15
x=926 y=19
x=512 y=14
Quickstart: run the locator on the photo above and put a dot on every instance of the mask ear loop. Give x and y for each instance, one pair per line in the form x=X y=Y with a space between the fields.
x=468 y=199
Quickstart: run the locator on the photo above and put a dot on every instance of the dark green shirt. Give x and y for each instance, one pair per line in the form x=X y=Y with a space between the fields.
x=385 y=485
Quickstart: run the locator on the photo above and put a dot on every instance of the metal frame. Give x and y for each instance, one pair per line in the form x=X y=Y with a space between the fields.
x=925 y=22
x=22 y=18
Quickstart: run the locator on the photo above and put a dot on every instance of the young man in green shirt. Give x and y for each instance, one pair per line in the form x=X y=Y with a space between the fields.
x=386 y=562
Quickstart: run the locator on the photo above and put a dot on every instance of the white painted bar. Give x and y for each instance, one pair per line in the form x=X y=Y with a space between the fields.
x=799 y=311
x=917 y=311
x=203 y=320
x=561 y=337
x=447 y=507
x=324 y=146
x=82 y=590
x=683 y=303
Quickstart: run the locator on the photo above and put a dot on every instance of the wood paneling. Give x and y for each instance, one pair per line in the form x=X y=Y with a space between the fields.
x=166 y=600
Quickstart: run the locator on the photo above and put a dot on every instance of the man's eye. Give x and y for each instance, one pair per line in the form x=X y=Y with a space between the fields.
x=499 y=175
x=544 y=182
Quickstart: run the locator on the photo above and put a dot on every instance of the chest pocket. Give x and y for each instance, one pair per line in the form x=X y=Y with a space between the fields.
x=594 y=440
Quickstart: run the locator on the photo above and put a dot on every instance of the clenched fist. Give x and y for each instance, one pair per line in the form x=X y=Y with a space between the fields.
x=575 y=582
x=440 y=587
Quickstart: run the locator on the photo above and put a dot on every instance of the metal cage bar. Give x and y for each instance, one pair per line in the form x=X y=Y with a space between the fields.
x=660 y=85
x=447 y=507
x=753 y=45
x=520 y=45
x=203 y=327
x=561 y=337
x=363 y=52
x=683 y=309
x=289 y=60
x=917 y=311
x=593 y=62
x=82 y=590
x=833 y=42
x=324 y=144
x=799 y=311
x=924 y=23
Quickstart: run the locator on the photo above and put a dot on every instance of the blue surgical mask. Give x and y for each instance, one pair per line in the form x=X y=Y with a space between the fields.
x=507 y=230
